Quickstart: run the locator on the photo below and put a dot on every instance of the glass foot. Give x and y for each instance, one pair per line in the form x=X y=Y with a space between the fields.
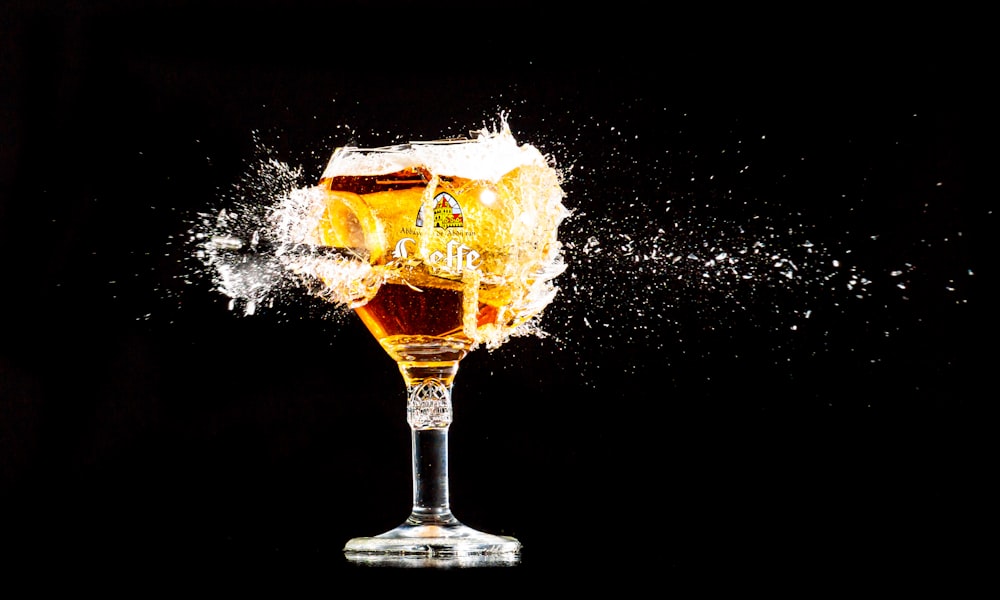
x=434 y=541
x=418 y=561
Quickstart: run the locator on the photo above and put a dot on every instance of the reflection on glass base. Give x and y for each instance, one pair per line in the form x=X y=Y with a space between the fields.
x=416 y=561
x=434 y=546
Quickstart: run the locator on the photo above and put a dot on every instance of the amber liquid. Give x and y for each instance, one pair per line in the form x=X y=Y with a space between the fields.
x=444 y=277
x=421 y=326
x=367 y=184
x=414 y=323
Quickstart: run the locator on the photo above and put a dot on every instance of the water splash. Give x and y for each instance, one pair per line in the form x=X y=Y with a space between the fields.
x=263 y=248
x=237 y=247
x=660 y=269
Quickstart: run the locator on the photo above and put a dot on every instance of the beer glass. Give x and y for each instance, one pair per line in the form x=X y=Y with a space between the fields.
x=440 y=247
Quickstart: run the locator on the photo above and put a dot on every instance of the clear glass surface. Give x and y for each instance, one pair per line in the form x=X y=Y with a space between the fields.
x=431 y=530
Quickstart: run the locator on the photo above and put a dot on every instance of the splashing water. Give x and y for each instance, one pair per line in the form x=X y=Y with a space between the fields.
x=652 y=275
x=238 y=247
x=265 y=247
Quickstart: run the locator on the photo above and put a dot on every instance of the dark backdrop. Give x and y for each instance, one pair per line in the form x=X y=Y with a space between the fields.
x=766 y=360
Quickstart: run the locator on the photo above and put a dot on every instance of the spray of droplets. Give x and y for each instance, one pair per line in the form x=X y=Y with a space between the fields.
x=259 y=251
x=237 y=245
x=645 y=275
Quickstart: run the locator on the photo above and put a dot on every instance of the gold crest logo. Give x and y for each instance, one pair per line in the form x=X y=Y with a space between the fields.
x=447 y=212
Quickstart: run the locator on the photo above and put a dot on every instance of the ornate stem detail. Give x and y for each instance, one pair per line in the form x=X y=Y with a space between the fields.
x=428 y=405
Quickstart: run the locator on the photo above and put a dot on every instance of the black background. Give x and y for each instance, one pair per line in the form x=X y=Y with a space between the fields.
x=145 y=427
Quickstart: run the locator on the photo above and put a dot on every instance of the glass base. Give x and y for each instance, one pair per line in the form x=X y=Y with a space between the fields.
x=418 y=561
x=453 y=540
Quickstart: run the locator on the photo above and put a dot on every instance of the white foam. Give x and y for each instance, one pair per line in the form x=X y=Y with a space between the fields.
x=487 y=157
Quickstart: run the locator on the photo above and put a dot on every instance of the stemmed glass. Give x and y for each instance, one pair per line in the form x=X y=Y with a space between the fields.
x=440 y=247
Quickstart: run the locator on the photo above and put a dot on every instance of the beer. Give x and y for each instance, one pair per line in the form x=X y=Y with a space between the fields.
x=457 y=237
x=438 y=247
x=421 y=326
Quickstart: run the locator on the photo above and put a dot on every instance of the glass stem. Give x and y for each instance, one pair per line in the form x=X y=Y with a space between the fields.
x=430 y=478
x=431 y=531
x=429 y=414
